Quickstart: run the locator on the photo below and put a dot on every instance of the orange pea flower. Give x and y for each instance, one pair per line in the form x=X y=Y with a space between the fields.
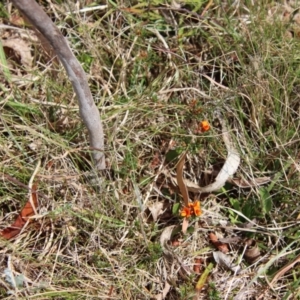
x=192 y=210
x=197 y=209
x=186 y=212
x=204 y=126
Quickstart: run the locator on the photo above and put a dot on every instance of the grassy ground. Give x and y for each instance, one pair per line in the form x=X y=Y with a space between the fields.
x=156 y=69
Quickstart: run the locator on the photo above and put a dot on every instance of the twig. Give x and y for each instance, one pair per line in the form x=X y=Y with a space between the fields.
x=20 y=184
x=279 y=274
x=31 y=187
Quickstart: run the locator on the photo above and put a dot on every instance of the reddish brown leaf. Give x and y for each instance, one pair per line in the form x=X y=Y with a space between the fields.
x=27 y=211
x=110 y=292
x=155 y=161
x=180 y=182
x=220 y=246
x=176 y=243
x=49 y=164
x=197 y=265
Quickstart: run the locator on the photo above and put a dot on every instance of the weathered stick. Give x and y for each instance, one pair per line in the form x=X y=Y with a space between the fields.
x=88 y=110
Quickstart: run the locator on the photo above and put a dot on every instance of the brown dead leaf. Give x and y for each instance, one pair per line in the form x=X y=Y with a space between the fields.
x=19 y=50
x=252 y=252
x=156 y=161
x=46 y=48
x=219 y=245
x=24 y=216
x=180 y=181
x=197 y=265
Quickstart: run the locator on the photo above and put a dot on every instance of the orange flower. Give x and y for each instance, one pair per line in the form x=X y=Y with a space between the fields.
x=186 y=212
x=197 y=209
x=204 y=126
x=192 y=210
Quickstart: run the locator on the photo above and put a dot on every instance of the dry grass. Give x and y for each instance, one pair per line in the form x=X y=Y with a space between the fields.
x=155 y=71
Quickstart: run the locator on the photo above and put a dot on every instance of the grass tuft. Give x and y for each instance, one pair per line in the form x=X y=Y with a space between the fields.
x=156 y=70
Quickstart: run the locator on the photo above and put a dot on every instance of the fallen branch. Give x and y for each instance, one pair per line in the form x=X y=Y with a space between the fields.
x=88 y=110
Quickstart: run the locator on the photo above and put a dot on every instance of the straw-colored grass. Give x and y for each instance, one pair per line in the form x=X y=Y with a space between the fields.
x=156 y=69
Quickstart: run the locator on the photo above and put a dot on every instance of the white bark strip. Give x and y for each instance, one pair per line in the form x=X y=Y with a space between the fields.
x=229 y=168
x=88 y=110
x=231 y=164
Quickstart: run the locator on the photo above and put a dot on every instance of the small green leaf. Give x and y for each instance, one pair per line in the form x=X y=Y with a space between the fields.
x=235 y=203
x=172 y=155
x=4 y=65
x=266 y=200
x=203 y=278
x=175 y=208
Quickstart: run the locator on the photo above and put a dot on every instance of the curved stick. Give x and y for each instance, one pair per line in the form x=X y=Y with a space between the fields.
x=88 y=110
x=229 y=168
x=231 y=164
